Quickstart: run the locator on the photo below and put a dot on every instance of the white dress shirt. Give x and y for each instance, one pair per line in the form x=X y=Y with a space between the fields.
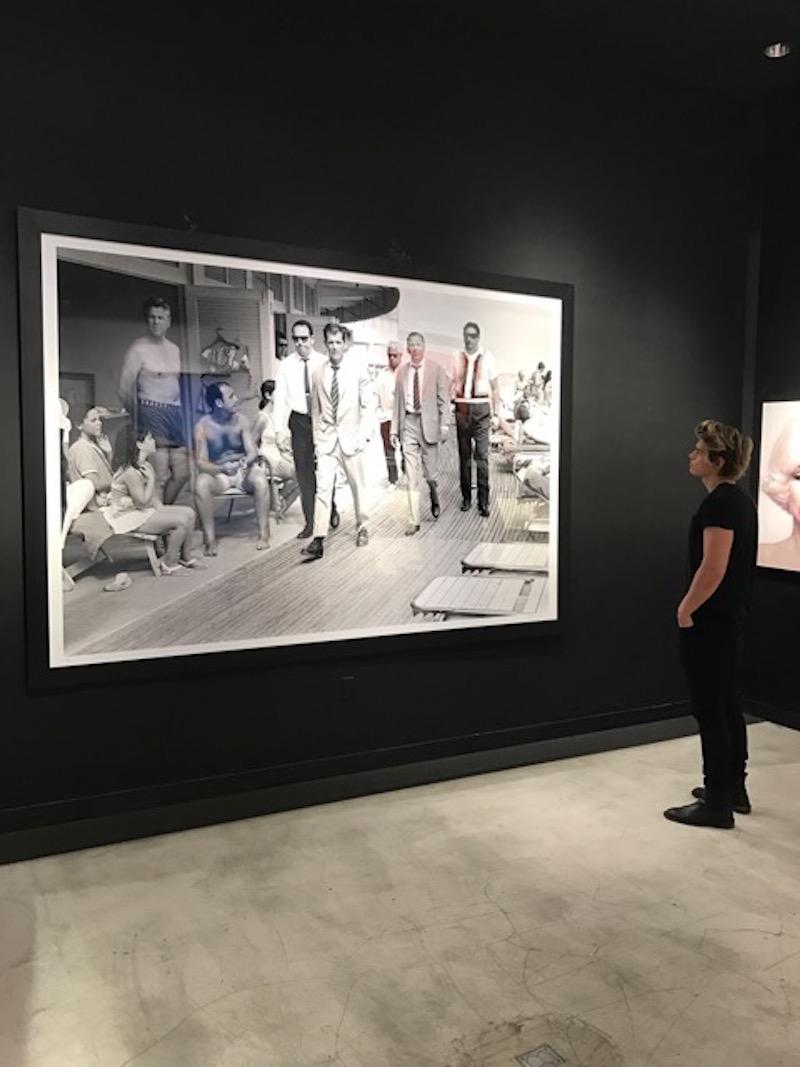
x=410 y=385
x=488 y=373
x=384 y=387
x=290 y=390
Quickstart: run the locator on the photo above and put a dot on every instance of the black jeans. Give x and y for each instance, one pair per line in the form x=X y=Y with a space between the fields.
x=472 y=424
x=710 y=658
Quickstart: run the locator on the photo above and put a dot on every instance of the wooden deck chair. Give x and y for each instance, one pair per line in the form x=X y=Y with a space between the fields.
x=479 y=595
x=524 y=557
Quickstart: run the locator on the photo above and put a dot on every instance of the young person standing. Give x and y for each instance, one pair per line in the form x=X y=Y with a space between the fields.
x=723 y=539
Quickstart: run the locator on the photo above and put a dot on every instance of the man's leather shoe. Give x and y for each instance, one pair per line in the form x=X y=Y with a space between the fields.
x=411 y=529
x=466 y=504
x=699 y=814
x=307 y=531
x=741 y=801
x=336 y=518
x=313 y=549
x=484 y=510
x=362 y=537
x=435 y=509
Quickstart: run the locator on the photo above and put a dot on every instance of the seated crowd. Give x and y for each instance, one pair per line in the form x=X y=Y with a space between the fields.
x=229 y=454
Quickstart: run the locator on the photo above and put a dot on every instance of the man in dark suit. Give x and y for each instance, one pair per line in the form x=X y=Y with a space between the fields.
x=419 y=423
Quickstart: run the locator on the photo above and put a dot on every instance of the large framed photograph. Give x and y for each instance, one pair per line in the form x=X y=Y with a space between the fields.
x=237 y=448
x=779 y=486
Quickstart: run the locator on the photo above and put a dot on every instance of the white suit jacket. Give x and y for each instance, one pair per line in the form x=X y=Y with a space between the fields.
x=350 y=428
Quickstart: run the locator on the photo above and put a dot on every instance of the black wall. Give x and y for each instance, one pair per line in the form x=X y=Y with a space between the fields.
x=442 y=136
x=772 y=647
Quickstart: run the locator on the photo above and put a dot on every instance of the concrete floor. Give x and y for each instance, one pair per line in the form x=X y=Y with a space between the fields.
x=461 y=924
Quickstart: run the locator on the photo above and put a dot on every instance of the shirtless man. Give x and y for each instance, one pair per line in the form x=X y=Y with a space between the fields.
x=227 y=458
x=150 y=390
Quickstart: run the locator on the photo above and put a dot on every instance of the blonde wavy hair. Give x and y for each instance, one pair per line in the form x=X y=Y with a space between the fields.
x=727 y=443
x=779 y=476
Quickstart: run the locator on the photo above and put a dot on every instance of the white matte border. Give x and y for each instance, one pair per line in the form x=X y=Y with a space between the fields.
x=50 y=246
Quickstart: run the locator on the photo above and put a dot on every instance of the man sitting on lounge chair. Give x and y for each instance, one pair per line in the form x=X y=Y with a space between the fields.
x=227 y=459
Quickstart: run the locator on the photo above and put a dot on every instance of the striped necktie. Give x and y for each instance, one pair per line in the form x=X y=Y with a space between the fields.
x=335 y=392
x=417 y=404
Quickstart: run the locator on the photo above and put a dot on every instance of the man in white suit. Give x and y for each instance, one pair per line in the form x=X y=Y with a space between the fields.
x=339 y=400
x=419 y=422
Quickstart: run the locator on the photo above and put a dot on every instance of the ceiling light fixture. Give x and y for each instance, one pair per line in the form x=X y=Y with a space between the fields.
x=777 y=50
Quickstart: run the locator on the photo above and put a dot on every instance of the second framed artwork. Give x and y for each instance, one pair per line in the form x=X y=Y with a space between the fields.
x=779 y=486
x=231 y=446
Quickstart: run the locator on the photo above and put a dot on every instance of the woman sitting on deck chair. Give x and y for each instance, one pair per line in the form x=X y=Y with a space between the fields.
x=134 y=504
x=264 y=436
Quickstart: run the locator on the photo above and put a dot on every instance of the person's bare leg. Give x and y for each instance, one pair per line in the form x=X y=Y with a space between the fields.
x=161 y=465
x=288 y=494
x=178 y=461
x=165 y=521
x=186 y=547
x=260 y=487
x=204 y=495
x=185 y=518
x=290 y=488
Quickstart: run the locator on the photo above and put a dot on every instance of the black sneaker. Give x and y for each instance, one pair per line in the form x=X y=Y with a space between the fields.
x=741 y=801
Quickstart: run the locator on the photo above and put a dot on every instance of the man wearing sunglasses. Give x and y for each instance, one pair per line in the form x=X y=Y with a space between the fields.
x=292 y=413
x=476 y=392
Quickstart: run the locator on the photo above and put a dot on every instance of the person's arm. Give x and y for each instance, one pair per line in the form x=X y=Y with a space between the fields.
x=83 y=463
x=443 y=401
x=452 y=375
x=717 y=545
x=141 y=484
x=494 y=389
x=204 y=464
x=399 y=397
x=316 y=406
x=93 y=475
x=381 y=396
x=131 y=366
x=280 y=410
x=248 y=442
x=364 y=387
x=259 y=425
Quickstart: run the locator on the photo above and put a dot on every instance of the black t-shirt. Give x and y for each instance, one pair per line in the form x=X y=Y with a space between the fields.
x=730 y=508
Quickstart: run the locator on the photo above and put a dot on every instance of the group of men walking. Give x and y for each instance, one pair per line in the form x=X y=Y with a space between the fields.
x=323 y=408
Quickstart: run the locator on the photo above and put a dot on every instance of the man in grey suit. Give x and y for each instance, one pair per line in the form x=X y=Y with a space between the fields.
x=339 y=398
x=419 y=422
